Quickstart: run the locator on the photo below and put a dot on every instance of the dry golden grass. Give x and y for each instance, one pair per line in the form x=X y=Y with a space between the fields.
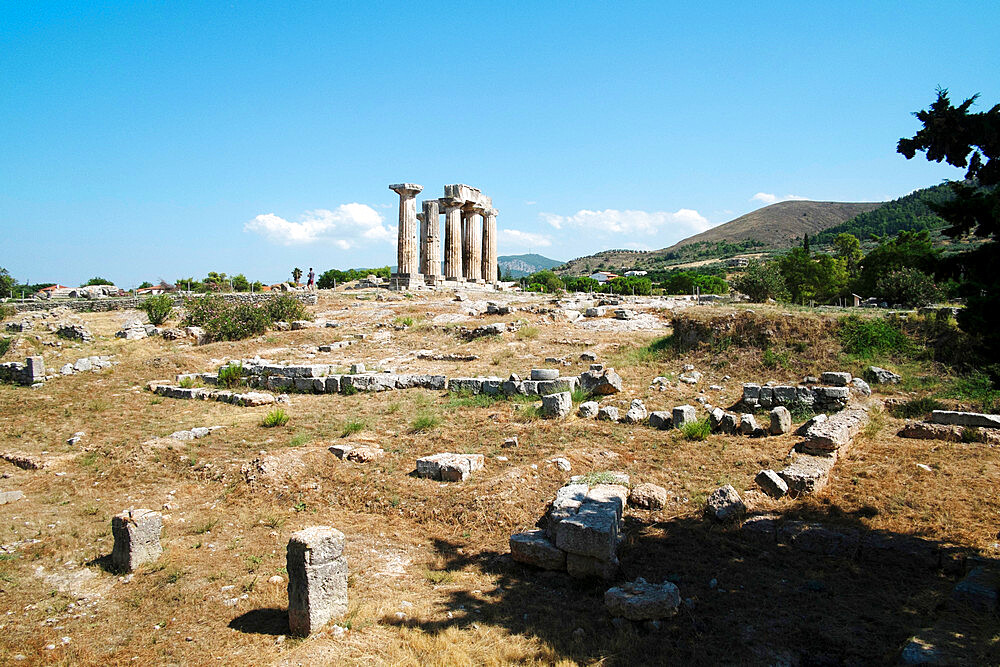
x=436 y=552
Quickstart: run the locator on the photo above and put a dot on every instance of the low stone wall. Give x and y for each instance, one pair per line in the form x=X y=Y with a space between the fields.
x=818 y=398
x=28 y=372
x=132 y=302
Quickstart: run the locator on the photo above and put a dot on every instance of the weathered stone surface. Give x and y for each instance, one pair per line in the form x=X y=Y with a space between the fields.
x=588 y=409
x=661 y=419
x=582 y=567
x=729 y=424
x=683 y=414
x=641 y=601
x=364 y=454
x=748 y=424
x=725 y=504
x=812 y=421
x=974 y=419
x=948 y=432
x=636 y=413
x=781 y=420
x=10 y=496
x=835 y=378
x=808 y=474
x=762 y=529
x=894 y=549
x=877 y=375
x=817 y=539
x=978 y=590
x=317 y=578
x=137 y=538
x=601 y=383
x=860 y=387
x=834 y=433
x=340 y=451
x=450 y=467
x=592 y=531
x=771 y=483
x=544 y=373
x=715 y=416
x=534 y=548
x=562 y=463
x=558 y=405
x=831 y=398
x=648 y=496
x=608 y=413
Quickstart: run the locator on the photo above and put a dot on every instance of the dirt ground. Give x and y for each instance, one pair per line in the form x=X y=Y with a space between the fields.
x=431 y=578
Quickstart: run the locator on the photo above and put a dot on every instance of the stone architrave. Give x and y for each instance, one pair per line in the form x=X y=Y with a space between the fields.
x=490 y=246
x=407 y=254
x=452 y=239
x=430 y=242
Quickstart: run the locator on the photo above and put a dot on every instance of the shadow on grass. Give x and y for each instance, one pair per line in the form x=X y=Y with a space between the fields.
x=745 y=601
x=268 y=621
x=105 y=563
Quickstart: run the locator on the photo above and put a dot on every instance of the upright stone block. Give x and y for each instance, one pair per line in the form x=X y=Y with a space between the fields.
x=35 y=368
x=317 y=578
x=137 y=538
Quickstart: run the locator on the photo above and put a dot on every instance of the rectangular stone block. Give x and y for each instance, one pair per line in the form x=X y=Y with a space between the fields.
x=35 y=368
x=534 y=548
x=332 y=384
x=592 y=531
x=317 y=578
x=555 y=386
x=137 y=538
x=808 y=474
x=581 y=567
x=974 y=419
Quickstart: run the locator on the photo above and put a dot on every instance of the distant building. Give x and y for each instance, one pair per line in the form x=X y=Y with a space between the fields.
x=635 y=273
x=603 y=276
x=155 y=290
x=738 y=262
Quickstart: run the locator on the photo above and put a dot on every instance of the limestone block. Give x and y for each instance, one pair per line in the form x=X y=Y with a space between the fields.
x=601 y=383
x=725 y=504
x=831 y=397
x=534 y=548
x=762 y=529
x=748 y=424
x=661 y=419
x=808 y=474
x=332 y=384
x=860 y=387
x=317 y=578
x=877 y=375
x=812 y=421
x=974 y=419
x=608 y=413
x=771 y=483
x=581 y=567
x=641 y=601
x=554 y=386
x=648 y=497
x=588 y=409
x=781 y=420
x=137 y=538
x=979 y=590
x=751 y=393
x=636 y=413
x=683 y=414
x=834 y=433
x=544 y=373
x=894 y=549
x=592 y=531
x=557 y=405
x=835 y=379
x=471 y=385
x=785 y=395
x=10 y=496
x=730 y=423
x=450 y=467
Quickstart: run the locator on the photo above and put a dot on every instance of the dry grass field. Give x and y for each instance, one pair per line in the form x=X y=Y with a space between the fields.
x=431 y=579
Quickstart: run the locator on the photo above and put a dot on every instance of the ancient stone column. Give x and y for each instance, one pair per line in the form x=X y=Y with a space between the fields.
x=468 y=234
x=430 y=246
x=475 y=245
x=422 y=226
x=137 y=538
x=452 y=238
x=407 y=256
x=317 y=578
x=490 y=246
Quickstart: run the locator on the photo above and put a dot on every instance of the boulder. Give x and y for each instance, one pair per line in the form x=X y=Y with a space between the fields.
x=608 y=413
x=683 y=414
x=588 y=409
x=781 y=420
x=636 y=413
x=601 y=383
x=725 y=504
x=877 y=375
x=534 y=548
x=557 y=405
x=641 y=601
x=771 y=483
x=860 y=387
x=730 y=423
x=661 y=419
x=647 y=497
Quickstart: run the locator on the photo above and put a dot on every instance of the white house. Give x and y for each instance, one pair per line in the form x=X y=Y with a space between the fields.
x=635 y=273
x=603 y=276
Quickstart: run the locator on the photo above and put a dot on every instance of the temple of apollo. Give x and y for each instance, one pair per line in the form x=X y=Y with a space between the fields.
x=470 y=238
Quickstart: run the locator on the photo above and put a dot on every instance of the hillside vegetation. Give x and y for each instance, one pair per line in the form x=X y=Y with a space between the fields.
x=909 y=213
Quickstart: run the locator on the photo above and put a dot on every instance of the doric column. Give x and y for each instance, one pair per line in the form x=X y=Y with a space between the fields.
x=467 y=234
x=490 y=246
x=475 y=245
x=430 y=240
x=407 y=256
x=452 y=238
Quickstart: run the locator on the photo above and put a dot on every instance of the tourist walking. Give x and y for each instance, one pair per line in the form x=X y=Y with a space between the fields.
x=311 y=282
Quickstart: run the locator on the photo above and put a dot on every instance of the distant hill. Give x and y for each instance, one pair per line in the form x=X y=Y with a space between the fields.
x=777 y=226
x=909 y=213
x=519 y=266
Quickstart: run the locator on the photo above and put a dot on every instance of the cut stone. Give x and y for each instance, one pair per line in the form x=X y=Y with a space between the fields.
x=974 y=419
x=641 y=601
x=748 y=424
x=834 y=433
x=582 y=567
x=534 y=548
x=817 y=539
x=137 y=538
x=557 y=405
x=808 y=474
x=835 y=378
x=608 y=413
x=601 y=383
x=661 y=419
x=450 y=467
x=544 y=373
x=683 y=414
x=877 y=375
x=636 y=413
x=771 y=483
x=588 y=409
x=725 y=504
x=781 y=420
x=317 y=578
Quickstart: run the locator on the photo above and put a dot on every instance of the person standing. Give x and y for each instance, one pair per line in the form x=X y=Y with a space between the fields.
x=311 y=282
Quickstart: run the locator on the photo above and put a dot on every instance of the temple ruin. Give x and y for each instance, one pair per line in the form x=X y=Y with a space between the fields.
x=470 y=238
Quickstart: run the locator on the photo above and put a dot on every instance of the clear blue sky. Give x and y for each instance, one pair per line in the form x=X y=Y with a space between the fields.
x=144 y=140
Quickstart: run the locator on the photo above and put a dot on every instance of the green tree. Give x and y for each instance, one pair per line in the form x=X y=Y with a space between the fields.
x=848 y=249
x=909 y=287
x=761 y=281
x=907 y=249
x=296 y=274
x=7 y=283
x=240 y=283
x=97 y=281
x=544 y=281
x=145 y=284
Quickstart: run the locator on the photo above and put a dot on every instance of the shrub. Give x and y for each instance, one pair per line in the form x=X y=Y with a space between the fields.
x=352 y=427
x=286 y=309
x=870 y=337
x=231 y=375
x=158 y=308
x=916 y=407
x=238 y=322
x=276 y=417
x=200 y=310
x=972 y=434
x=187 y=383
x=7 y=311
x=697 y=430
x=910 y=287
x=424 y=423
x=5 y=343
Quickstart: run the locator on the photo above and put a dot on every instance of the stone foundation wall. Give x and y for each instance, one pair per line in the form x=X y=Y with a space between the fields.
x=132 y=302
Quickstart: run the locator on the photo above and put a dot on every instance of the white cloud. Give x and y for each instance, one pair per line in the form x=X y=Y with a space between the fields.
x=348 y=226
x=519 y=239
x=769 y=198
x=629 y=222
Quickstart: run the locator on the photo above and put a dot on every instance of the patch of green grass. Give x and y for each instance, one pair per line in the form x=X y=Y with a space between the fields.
x=527 y=333
x=299 y=439
x=5 y=343
x=404 y=321
x=88 y=458
x=978 y=389
x=594 y=478
x=916 y=407
x=466 y=399
x=697 y=430
x=273 y=521
x=348 y=389
x=580 y=395
x=352 y=427
x=973 y=434
x=393 y=408
x=206 y=527
x=276 y=417
x=232 y=375
x=868 y=338
x=527 y=413
x=661 y=349
x=187 y=383
x=772 y=360
x=439 y=576
x=424 y=423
